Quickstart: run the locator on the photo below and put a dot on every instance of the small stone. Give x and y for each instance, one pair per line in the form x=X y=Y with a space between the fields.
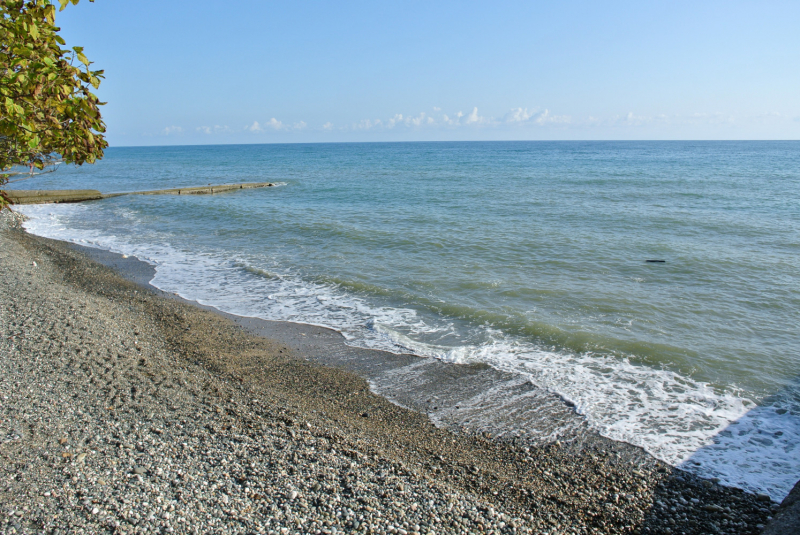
x=80 y=458
x=139 y=470
x=293 y=495
x=95 y=510
x=762 y=497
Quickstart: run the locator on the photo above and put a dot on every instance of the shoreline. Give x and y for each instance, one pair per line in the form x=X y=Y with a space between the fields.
x=460 y=482
x=444 y=391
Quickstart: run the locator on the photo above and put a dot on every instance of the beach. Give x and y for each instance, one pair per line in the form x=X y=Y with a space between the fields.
x=127 y=411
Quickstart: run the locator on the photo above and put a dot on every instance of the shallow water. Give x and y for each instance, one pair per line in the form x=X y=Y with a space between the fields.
x=529 y=256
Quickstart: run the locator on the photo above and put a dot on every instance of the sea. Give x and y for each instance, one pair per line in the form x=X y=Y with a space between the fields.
x=535 y=258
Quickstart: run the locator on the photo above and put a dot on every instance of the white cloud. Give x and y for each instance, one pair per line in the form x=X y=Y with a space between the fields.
x=518 y=115
x=300 y=125
x=546 y=118
x=173 y=130
x=637 y=120
x=216 y=129
x=456 y=121
x=524 y=115
x=255 y=127
x=437 y=108
x=632 y=120
x=366 y=124
x=422 y=120
x=327 y=126
x=473 y=117
x=418 y=121
x=274 y=124
x=398 y=118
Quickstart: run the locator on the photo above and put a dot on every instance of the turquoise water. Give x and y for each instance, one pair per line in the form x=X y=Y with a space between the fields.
x=530 y=256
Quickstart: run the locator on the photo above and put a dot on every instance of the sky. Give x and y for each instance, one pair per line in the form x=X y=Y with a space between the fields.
x=183 y=72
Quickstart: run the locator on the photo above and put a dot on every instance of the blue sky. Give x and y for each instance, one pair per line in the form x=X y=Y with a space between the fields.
x=207 y=72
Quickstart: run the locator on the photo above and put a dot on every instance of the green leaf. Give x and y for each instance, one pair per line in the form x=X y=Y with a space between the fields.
x=45 y=104
x=50 y=14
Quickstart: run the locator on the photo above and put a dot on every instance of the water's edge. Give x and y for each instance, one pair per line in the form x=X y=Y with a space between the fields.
x=462 y=397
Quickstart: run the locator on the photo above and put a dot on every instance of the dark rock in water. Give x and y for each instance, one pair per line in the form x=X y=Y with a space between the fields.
x=787 y=520
x=656 y=261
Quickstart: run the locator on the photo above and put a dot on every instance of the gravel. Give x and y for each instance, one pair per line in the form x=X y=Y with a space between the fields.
x=125 y=412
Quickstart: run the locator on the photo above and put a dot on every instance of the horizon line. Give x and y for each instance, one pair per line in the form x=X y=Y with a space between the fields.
x=465 y=141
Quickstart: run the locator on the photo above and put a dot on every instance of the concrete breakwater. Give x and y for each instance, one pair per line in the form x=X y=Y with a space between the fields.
x=80 y=195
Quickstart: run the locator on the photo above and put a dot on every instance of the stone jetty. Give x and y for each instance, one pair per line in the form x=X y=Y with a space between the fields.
x=38 y=196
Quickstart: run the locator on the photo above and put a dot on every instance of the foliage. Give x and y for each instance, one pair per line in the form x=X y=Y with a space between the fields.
x=47 y=111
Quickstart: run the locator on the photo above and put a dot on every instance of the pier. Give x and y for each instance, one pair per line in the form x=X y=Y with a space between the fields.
x=40 y=196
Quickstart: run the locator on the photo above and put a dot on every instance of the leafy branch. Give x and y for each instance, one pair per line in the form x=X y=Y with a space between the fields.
x=47 y=110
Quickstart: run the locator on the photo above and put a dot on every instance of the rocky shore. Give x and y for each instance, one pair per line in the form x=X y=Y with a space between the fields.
x=122 y=411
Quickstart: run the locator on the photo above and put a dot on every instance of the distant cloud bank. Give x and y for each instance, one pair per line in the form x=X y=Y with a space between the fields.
x=514 y=119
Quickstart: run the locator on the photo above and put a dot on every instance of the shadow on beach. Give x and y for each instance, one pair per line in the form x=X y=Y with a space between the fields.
x=766 y=437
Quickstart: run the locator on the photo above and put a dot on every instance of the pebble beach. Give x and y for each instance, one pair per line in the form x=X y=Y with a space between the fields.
x=124 y=411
